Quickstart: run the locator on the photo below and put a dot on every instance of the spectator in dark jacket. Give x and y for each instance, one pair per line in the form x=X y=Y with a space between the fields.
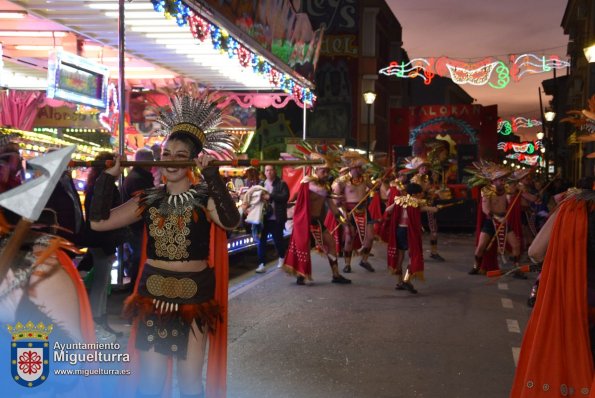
x=102 y=248
x=139 y=179
x=274 y=220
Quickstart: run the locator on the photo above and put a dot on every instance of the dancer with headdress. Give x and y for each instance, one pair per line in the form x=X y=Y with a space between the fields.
x=423 y=178
x=309 y=214
x=350 y=195
x=494 y=208
x=180 y=295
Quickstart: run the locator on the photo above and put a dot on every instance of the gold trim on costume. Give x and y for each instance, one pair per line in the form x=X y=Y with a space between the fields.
x=408 y=200
x=488 y=191
x=171 y=239
x=190 y=128
x=171 y=287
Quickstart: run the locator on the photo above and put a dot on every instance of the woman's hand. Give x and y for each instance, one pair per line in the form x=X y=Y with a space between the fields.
x=202 y=160
x=116 y=169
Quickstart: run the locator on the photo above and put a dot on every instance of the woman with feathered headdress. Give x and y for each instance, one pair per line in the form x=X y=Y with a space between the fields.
x=180 y=295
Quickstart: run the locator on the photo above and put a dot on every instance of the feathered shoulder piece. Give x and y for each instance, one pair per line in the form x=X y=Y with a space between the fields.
x=409 y=201
x=198 y=118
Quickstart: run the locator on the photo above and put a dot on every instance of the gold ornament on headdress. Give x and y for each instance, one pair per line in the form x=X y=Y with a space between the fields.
x=485 y=171
x=198 y=118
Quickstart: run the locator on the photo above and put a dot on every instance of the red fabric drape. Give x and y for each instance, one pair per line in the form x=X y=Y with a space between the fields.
x=297 y=258
x=489 y=261
x=18 y=109
x=293 y=178
x=556 y=350
x=414 y=241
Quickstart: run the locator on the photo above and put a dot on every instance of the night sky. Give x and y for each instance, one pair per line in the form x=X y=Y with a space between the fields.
x=471 y=30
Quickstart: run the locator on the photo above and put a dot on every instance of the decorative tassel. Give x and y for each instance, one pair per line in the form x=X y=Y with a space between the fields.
x=161 y=222
x=164 y=179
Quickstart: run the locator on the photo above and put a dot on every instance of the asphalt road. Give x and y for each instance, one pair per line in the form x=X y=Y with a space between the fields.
x=458 y=337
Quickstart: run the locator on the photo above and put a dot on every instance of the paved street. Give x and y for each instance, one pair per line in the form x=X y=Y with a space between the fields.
x=458 y=337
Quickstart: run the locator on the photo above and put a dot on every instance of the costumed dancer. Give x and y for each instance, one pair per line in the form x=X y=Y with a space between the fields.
x=350 y=195
x=423 y=177
x=556 y=356
x=405 y=234
x=41 y=294
x=180 y=296
x=494 y=206
x=309 y=215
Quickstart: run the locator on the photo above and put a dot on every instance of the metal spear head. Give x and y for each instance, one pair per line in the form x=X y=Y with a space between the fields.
x=29 y=199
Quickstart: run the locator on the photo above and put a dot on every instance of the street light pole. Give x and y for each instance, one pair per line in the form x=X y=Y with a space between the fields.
x=369 y=97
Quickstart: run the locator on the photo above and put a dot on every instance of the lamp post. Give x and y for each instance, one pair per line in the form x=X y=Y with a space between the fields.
x=549 y=116
x=369 y=97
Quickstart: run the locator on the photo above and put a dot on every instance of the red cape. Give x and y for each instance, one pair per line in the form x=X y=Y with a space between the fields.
x=556 y=349
x=297 y=258
x=489 y=261
x=375 y=210
x=330 y=223
x=416 y=255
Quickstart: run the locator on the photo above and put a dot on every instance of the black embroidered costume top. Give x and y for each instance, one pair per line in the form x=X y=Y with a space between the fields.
x=177 y=225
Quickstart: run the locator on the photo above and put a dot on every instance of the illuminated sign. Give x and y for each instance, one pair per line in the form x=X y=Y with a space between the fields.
x=76 y=79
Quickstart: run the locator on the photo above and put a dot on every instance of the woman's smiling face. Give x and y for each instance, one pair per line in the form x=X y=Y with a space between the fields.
x=175 y=150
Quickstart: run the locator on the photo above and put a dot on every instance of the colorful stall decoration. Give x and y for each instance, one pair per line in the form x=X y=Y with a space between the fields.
x=35 y=143
x=491 y=71
x=222 y=41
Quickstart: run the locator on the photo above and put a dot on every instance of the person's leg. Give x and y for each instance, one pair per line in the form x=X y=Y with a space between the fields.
x=482 y=244
x=190 y=368
x=262 y=246
x=367 y=247
x=102 y=265
x=331 y=254
x=515 y=247
x=349 y=233
x=153 y=371
x=278 y=239
x=433 y=226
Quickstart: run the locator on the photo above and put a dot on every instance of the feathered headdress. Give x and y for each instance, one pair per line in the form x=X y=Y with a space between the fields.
x=330 y=154
x=353 y=159
x=485 y=172
x=198 y=118
x=415 y=162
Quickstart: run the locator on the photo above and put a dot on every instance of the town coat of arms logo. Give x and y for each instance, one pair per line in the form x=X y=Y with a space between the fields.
x=30 y=353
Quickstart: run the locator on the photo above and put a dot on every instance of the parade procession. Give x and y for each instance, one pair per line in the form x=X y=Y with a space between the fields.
x=297 y=199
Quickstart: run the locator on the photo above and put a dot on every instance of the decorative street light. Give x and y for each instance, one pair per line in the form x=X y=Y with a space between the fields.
x=369 y=97
x=540 y=135
x=549 y=115
x=590 y=53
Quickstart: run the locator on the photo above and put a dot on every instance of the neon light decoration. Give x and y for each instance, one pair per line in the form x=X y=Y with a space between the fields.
x=412 y=69
x=531 y=63
x=523 y=147
x=477 y=77
x=221 y=40
x=477 y=73
x=530 y=160
x=504 y=127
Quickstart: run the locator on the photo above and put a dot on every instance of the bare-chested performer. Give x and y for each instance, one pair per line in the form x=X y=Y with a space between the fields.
x=350 y=193
x=309 y=214
x=494 y=205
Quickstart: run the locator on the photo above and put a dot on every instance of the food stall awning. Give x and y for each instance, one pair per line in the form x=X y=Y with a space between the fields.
x=200 y=50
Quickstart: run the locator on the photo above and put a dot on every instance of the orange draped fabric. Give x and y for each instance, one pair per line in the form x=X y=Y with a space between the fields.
x=556 y=352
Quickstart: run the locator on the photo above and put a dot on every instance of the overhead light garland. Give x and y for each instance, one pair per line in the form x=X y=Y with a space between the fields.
x=530 y=160
x=506 y=127
x=222 y=41
x=476 y=73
